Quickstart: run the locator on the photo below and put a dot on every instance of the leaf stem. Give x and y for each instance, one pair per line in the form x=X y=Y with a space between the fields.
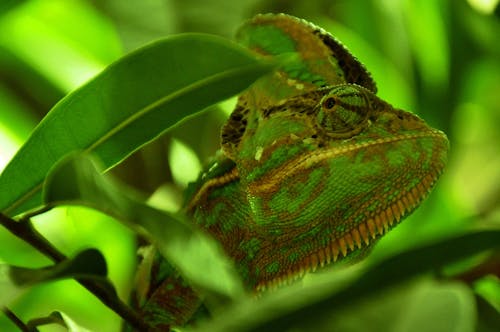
x=24 y=230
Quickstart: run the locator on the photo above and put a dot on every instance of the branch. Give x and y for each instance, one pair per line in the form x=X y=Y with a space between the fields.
x=491 y=266
x=24 y=230
x=16 y=320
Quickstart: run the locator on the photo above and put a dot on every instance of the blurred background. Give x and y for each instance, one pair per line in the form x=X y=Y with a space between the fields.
x=439 y=59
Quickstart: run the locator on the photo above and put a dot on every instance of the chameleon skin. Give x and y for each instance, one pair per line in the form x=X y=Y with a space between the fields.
x=312 y=59
x=316 y=182
x=165 y=298
x=314 y=166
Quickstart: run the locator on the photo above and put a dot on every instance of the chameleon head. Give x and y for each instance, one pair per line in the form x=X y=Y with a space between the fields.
x=328 y=172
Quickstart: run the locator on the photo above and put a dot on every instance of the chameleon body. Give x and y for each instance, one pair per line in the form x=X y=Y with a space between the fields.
x=314 y=166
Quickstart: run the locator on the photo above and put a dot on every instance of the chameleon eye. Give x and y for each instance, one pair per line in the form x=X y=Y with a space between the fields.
x=329 y=103
x=343 y=111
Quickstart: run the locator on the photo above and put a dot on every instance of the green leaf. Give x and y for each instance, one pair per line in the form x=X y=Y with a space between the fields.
x=71 y=324
x=489 y=316
x=76 y=181
x=14 y=280
x=7 y=5
x=421 y=305
x=311 y=306
x=127 y=105
x=47 y=41
x=440 y=307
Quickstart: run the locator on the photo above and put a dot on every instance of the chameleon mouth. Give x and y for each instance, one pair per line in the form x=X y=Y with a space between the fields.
x=358 y=237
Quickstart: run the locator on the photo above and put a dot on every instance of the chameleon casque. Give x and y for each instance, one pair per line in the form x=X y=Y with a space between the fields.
x=314 y=168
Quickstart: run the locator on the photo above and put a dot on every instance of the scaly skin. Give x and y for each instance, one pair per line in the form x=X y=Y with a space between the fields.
x=315 y=166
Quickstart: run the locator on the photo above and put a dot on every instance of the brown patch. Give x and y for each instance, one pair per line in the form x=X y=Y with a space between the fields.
x=235 y=128
x=354 y=71
x=302 y=104
x=203 y=191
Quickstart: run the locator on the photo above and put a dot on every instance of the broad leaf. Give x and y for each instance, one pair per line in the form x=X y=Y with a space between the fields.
x=7 y=5
x=489 y=316
x=127 y=105
x=76 y=181
x=47 y=51
x=14 y=280
x=421 y=305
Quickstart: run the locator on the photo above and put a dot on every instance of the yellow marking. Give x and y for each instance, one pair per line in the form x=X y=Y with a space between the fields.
x=335 y=250
x=321 y=257
x=220 y=181
x=402 y=207
x=307 y=160
x=405 y=202
x=398 y=212
x=349 y=241
x=313 y=260
x=371 y=228
x=415 y=194
x=328 y=255
x=391 y=214
x=363 y=231
x=379 y=223
x=343 y=246
x=258 y=153
x=357 y=238
x=421 y=189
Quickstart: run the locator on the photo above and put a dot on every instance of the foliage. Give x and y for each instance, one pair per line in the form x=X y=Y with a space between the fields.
x=434 y=272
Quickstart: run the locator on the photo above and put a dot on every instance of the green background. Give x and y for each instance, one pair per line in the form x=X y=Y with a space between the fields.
x=439 y=59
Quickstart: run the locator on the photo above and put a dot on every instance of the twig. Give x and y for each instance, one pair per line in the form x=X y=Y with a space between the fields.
x=16 y=320
x=24 y=230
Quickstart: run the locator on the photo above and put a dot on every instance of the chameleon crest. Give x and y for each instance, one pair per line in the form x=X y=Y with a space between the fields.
x=315 y=167
x=312 y=58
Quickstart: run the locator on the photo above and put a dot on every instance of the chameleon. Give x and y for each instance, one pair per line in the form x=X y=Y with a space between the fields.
x=314 y=168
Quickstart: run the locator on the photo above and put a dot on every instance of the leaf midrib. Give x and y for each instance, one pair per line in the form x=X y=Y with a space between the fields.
x=142 y=112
